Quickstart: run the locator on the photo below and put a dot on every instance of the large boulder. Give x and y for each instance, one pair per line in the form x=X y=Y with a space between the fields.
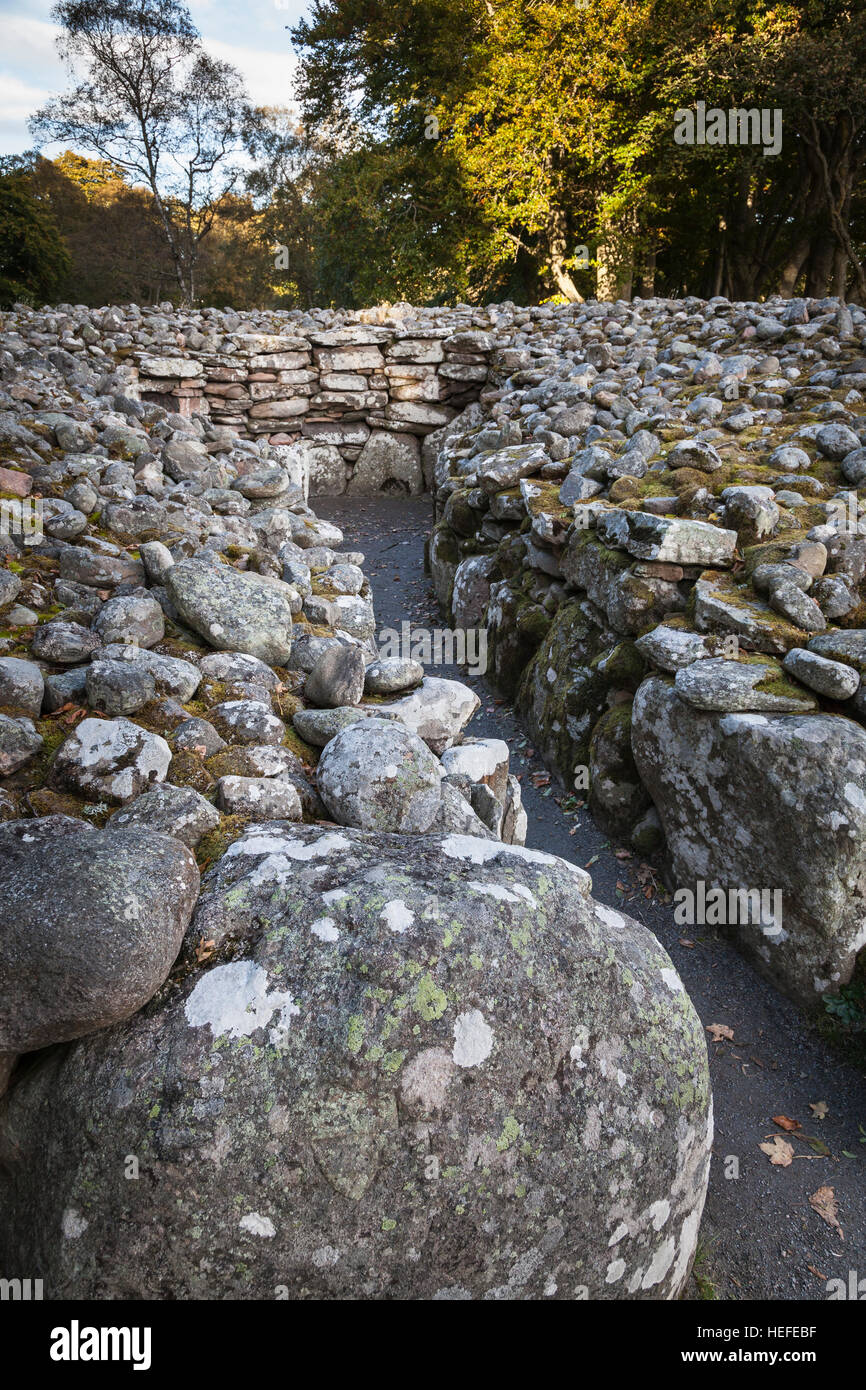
x=233 y=611
x=410 y=1068
x=772 y=803
x=388 y=459
x=90 y=924
x=377 y=775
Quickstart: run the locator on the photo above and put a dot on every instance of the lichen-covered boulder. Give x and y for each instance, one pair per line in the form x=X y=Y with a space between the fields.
x=110 y=759
x=764 y=802
x=233 y=611
x=438 y=710
x=90 y=924
x=409 y=1068
x=377 y=775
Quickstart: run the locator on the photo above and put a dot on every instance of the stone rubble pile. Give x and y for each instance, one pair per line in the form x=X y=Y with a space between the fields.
x=265 y=903
x=655 y=511
x=352 y=393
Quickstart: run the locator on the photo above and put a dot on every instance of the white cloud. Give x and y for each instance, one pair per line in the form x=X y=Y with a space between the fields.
x=38 y=73
x=268 y=76
x=31 y=72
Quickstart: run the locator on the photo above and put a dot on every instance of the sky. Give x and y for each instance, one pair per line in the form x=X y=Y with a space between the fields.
x=251 y=34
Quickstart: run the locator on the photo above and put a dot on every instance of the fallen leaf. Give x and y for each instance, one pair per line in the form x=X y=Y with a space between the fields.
x=719 y=1031
x=684 y=941
x=779 y=1152
x=816 y=1145
x=817 y=1273
x=824 y=1203
x=785 y=1123
x=204 y=949
x=818 y=1109
x=623 y=854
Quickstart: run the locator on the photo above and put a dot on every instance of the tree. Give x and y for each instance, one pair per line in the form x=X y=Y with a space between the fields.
x=33 y=257
x=155 y=105
x=556 y=120
x=786 y=220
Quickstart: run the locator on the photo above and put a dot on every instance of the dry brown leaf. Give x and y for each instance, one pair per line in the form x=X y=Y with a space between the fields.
x=784 y=1122
x=779 y=1152
x=819 y=1109
x=824 y=1203
x=204 y=949
x=720 y=1031
x=817 y=1273
x=684 y=941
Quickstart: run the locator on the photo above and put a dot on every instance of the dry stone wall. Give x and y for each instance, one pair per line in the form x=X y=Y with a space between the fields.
x=266 y=914
x=355 y=398
x=656 y=513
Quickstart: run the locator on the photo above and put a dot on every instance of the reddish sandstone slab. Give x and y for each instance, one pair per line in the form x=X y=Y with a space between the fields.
x=21 y=484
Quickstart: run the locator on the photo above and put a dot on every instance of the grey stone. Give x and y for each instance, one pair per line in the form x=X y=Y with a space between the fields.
x=672 y=649
x=672 y=539
x=337 y=679
x=197 y=735
x=135 y=620
x=438 y=710
x=377 y=775
x=90 y=924
x=801 y=610
x=65 y=687
x=118 y=687
x=833 y=679
x=10 y=588
x=388 y=458
x=848 y=646
x=835 y=441
x=390 y=675
x=232 y=611
x=260 y=798
x=736 y=794
x=723 y=685
x=111 y=760
x=166 y=810
x=64 y=643
x=171 y=674
x=318 y=726
x=21 y=686
x=247 y=721
x=350 y=1010
x=19 y=742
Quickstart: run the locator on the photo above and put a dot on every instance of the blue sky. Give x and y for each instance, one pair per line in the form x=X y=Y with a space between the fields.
x=249 y=33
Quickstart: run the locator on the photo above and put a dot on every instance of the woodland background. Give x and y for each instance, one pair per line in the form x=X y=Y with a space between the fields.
x=439 y=151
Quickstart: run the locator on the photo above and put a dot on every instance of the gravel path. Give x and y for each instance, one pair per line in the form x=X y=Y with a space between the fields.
x=759 y=1237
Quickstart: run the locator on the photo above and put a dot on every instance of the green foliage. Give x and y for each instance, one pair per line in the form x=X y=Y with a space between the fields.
x=463 y=150
x=33 y=257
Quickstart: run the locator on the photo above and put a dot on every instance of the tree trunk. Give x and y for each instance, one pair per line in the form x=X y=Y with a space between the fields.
x=819 y=268
x=615 y=261
x=793 y=264
x=558 y=254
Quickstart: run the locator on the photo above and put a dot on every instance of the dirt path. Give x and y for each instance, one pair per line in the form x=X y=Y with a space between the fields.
x=759 y=1237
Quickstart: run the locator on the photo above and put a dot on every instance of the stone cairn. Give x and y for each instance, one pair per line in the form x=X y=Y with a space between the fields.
x=268 y=923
